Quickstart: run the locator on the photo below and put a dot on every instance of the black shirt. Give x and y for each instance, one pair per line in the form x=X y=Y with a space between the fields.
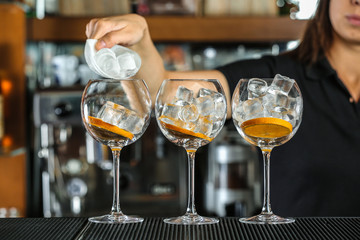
x=316 y=173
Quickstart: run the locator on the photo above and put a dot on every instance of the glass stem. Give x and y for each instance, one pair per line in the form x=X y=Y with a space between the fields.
x=266 y=209
x=116 y=210
x=191 y=210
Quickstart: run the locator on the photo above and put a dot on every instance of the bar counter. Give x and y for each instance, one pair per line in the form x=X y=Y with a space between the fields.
x=154 y=228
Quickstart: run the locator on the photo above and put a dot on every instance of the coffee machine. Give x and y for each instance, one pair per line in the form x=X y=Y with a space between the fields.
x=232 y=184
x=76 y=171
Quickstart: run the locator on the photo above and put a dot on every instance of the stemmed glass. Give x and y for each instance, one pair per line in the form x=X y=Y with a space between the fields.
x=116 y=113
x=190 y=113
x=267 y=113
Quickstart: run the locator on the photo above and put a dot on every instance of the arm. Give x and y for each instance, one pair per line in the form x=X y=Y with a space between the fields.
x=132 y=31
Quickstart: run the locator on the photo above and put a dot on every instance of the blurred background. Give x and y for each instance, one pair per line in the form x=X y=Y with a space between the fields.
x=49 y=166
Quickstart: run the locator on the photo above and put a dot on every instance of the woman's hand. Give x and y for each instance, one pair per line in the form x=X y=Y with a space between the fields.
x=131 y=31
x=127 y=30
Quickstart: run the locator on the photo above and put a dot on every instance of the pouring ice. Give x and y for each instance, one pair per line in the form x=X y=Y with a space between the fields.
x=107 y=62
x=115 y=62
x=126 y=62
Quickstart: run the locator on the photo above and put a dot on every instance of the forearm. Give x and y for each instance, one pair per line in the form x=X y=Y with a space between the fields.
x=152 y=68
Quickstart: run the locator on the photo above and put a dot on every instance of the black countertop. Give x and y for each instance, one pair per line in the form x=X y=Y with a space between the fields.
x=154 y=228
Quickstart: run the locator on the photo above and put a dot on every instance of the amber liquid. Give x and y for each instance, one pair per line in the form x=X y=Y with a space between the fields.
x=107 y=137
x=181 y=139
x=264 y=134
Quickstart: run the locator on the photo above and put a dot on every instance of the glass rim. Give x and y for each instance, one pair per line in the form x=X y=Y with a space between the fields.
x=115 y=79
x=192 y=79
x=296 y=85
x=264 y=78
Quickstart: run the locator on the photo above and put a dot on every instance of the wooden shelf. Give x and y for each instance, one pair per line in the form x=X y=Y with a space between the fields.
x=179 y=29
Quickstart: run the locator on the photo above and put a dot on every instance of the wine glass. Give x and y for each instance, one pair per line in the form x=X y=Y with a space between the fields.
x=267 y=113
x=190 y=113
x=116 y=113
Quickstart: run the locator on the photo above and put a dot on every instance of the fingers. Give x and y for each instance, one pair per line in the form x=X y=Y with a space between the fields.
x=90 y=27
x=126 y=30
x=106 y=30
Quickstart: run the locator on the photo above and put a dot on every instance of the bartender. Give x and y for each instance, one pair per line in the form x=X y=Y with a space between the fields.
x=317 y=173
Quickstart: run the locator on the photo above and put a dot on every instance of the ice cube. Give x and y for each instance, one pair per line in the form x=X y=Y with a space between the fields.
x=268 y=101
x=109 y=114
x=290 y=116
x=281 y=99
x=282 y=83
x=171 y=111
x=126 y=62
x=189 y=113
x=204 y=125
x=121 y=117
x=131 y=62
x=218 y=99
x=299 y=103
x=274 y=103
x=217 y=125
x=257 y=88
x=292 y=103
x=168 y=120
x=131 y=122
x=181 y=103
x=278 y=112
x=238 y=114
x=205 y=105
x=204 y=92
x=253 y=108
x=220 y=108
x=184 y=94
x=187 y=125
x=106 y=61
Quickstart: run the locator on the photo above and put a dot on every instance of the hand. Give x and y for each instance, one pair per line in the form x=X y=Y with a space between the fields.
x=127 y=30
x=131 y=31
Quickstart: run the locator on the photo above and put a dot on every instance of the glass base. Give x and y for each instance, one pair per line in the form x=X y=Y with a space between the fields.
x=264 y=218
x=192 y=219
x=113 y=219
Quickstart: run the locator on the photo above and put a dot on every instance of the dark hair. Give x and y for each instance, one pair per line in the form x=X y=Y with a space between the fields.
x=317 y=37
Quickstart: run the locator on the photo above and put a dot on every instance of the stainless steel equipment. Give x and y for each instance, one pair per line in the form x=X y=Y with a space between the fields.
x=232 y=184
x=76 y=170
